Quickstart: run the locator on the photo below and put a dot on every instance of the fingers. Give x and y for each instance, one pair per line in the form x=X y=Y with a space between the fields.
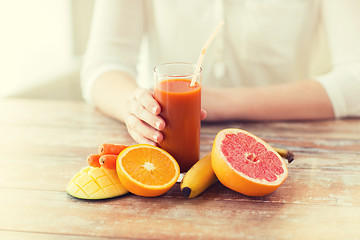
x=142 y=132
x=203 y=114
x=146 y=108
x=143 y=122
x=145 y=98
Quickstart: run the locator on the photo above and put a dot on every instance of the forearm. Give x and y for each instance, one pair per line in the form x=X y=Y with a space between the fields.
x=294 y=101
x=111 y=92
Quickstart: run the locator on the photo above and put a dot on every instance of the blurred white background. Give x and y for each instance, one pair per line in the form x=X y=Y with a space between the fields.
x=41 y=46
x=42 y=43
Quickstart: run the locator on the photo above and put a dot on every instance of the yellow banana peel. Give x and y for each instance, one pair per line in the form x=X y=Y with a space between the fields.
x=200 y=177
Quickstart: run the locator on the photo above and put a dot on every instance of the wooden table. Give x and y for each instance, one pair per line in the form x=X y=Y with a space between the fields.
x=44 y=143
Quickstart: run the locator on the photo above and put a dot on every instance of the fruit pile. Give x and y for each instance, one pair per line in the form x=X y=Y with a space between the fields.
x=239 y=160
x=99 y=180
x=144 y=170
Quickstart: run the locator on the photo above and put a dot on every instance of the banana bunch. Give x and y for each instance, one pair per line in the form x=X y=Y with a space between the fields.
x=201 y=175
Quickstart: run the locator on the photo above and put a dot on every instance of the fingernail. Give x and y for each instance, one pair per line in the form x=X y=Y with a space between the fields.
x=155 y=137
x=154 y=109
x=157 y=124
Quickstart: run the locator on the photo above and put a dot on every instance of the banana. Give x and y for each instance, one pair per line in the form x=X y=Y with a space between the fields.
x=198 y=178
x=201 y=175
x=285 y=154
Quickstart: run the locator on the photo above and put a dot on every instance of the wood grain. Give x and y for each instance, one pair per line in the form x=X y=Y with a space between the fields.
x=44 y=143
x=166 y=217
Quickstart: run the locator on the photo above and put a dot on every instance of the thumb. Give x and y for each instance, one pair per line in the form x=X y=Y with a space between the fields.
x=203 y=114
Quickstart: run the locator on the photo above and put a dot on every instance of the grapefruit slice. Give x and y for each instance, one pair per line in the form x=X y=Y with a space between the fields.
x=247 y=164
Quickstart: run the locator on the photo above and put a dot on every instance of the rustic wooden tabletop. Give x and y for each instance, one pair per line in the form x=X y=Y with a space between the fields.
x=44 y=143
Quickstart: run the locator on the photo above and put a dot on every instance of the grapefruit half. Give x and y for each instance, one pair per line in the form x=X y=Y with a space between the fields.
x=247 y=164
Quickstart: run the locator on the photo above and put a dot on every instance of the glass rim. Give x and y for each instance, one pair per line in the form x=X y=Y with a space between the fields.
x=177 y=63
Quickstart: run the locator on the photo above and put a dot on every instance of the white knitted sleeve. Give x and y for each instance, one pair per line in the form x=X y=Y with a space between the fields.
x=342 y=84
x=114 y=41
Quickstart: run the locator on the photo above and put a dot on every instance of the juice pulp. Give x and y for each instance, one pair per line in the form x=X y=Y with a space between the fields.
x=180 y=108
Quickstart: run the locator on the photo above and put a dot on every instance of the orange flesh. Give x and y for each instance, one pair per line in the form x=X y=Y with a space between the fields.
x=148 y=166
x=251 y=157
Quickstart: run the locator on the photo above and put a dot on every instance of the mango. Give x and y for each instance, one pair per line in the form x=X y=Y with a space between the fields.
x=95 y=183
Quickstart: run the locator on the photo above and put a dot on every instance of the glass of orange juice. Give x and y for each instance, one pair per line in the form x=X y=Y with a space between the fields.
x=180 y=108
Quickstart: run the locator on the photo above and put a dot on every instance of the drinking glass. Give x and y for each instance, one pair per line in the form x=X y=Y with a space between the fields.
x=180 y=108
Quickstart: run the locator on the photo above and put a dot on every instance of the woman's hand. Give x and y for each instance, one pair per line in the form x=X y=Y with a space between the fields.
x=143 y=121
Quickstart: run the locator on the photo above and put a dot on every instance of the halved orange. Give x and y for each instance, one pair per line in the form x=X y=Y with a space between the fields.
x=246 y=164
x=146 y=170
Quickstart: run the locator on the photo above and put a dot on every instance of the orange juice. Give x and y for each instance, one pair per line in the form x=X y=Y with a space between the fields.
x=180 y=108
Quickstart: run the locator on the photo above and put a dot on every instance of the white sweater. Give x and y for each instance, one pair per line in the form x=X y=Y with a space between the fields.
x=262 y=42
